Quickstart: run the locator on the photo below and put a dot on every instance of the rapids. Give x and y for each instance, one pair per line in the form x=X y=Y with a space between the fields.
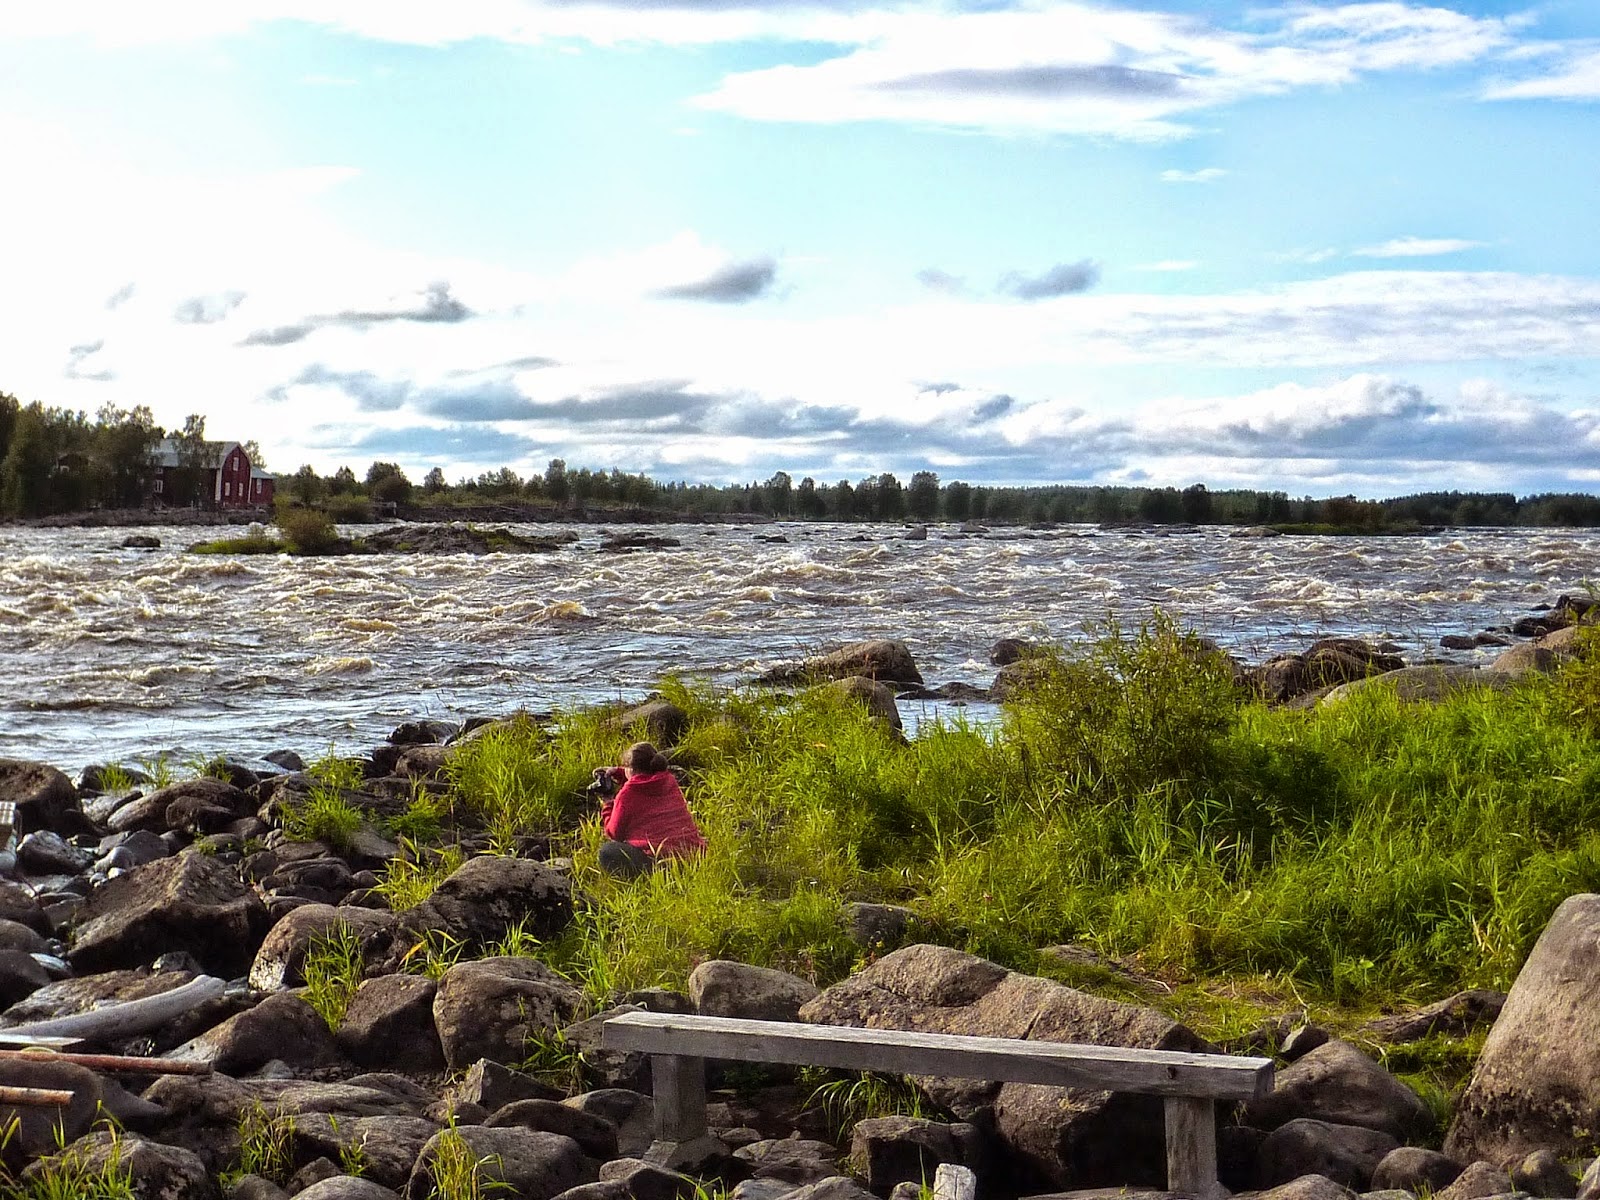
x=114 y=655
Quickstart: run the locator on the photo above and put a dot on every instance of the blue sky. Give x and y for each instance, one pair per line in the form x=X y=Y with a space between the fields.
x=1318 y=247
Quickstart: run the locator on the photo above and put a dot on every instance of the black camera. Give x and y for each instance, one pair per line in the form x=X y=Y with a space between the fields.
x=603 y=784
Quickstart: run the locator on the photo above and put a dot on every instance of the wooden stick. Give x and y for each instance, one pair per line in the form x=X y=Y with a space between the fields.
x=132 y=1017
x=112 y=1062
x=26 y=1097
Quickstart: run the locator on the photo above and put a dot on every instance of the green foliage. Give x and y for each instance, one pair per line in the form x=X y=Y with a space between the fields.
x=69 y=1174
x=266 y=1143
x=846 y=1099
x=326 y=814
x=256 y=543
x=410 y=880
x=333 y=968
x=306 y=530
x=459 y=1174
x=553 y=1059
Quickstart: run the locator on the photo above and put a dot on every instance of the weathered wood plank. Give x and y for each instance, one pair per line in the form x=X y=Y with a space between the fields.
x=1192 y=1146
x=679 y=1083
x=21 y=1041
x=1100 y=1068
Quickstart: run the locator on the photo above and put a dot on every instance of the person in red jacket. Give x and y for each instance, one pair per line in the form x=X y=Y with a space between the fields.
x=647 y=819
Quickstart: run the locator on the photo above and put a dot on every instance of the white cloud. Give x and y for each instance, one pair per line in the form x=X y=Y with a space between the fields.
x=1415 y=247
x=1203 y=175
x=1169 y=264
x=1576 y=77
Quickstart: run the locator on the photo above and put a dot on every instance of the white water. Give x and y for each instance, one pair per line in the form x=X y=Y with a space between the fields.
x=119 y=655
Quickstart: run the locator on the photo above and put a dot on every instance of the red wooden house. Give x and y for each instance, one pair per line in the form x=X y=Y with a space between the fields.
x=225 y=477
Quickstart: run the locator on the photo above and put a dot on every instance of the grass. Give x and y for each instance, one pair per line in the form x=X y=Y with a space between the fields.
x=266 y=1145
x=459 y=1174
x=1136 y=801
x=71 y=1173
x=333 y=968
x=326 y=815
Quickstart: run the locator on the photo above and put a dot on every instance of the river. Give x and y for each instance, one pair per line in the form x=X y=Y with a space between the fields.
x=118 y=655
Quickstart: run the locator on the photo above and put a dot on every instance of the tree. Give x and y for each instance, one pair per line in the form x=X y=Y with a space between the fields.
x=555 y=481
x=25 y=473
x=433 y=482
x=343 y=482
x=305 y=485
x=252 y=450
x=922 y=497
x=891 y=500
x=123 y=441
x=779 y=493
x=808 y=500
x=844 y=500
x=1196 y=503
x=193 y=454
x=957 y=500
x=388 y=483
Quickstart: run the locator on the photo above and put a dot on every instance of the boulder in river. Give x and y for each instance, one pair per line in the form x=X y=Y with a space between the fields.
x=44 y=796
x=883 y=659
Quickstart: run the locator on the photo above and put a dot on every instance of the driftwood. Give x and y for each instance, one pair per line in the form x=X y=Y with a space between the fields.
x=130 y=1018
x=25 y=1097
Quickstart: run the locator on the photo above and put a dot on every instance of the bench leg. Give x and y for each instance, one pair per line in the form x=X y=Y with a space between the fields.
x=679 y=1082
x=1192 y=1147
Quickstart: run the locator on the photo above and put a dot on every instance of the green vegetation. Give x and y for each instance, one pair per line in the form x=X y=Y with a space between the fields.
x=1135 y=802
x=326 y=813
x=255 y=543
x=71 y=1173
x=333 y=969
x=459 y=1174
x=306 y=530
x=266 y=1144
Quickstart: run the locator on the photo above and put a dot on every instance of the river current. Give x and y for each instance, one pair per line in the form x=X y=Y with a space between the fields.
x=117 y=655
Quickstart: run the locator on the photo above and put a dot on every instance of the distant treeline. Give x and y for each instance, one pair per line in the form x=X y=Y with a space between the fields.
x=54 y=461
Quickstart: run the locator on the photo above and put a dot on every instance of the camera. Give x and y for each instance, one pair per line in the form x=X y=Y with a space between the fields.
x=603 y=785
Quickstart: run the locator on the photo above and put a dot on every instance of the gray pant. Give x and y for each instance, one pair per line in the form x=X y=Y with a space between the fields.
x=624 y=860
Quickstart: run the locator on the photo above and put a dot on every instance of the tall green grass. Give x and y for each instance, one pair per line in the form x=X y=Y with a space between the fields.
x=1134 y=800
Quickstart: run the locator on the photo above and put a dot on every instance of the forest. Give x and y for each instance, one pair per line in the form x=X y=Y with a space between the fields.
x=54 y=461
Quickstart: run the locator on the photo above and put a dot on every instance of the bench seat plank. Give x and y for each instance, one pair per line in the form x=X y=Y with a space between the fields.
x=906 y=1052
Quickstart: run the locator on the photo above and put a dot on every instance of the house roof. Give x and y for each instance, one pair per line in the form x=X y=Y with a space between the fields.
x=166 y=454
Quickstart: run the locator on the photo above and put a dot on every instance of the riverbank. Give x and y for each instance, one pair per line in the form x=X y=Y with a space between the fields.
x=1138 y=828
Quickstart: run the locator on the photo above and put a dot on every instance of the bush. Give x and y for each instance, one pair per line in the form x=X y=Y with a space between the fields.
x=307 y=530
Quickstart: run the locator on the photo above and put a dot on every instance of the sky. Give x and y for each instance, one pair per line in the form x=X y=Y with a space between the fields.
x=1317 y=247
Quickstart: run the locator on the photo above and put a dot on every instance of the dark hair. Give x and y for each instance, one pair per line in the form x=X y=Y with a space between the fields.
x=644 y=759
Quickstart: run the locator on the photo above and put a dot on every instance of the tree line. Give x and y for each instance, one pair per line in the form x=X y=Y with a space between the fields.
x=54 y=461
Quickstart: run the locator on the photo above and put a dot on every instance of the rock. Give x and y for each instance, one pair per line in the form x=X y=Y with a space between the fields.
x=156 y=1171
x=141 y=541
x=1346 y=1154
x=1017 y=679
x=1337 y=1083
x=422 y=733
x=1416 y=1170
x=888 y=1150
x=130 y=850
x=646 y=1181
x=1073 y=1138
x=282 y=1027
x=1308 y=1187
x=44 y=796
x=835 y=1188
x=628 y=543
x=190 y=902
x=254 y=1187
x=877 y=926
x=387 y=1145
x=484 y=897
x=881 y=659
x=1527 y=658
x=877 y=698
x=795 y=1161
x=389 y=1023
x=1537 y=1081
x=721 y=988
x=280 y=963
x=1589 y=1185
x=609 y=1068
x=1425 y=683
x=1303 y=1041
x=532 y=1165
x=1008 y=650
x=761 y=1189
x=493 y=1085
x=14 y=935
x=19 y=904
x=65 y=997
x=46 y=853
x=347 y=1187
x=661 y=721
x=20 y=976
x=495 y=1007
x=1479 y=1180
x=40 y=1130
x=1543 y=1174
x=633 y=1114
x=1454 y=1016
x=595 y=1134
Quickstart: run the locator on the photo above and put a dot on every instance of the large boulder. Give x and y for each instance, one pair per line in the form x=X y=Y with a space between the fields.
x=1346 y=1154
x=1338 y=1083
x=191 y=902
x=154 y=1170
x=877 y=698
x=487 y=895
x=44 y=796
x=1071 y=1137
x=532 y=1165
x=1537 y=1081
x=389 y=1024
x=721 y=988
x=387 y=1146
x=500 y=1009
x=1430 y=682
x=282 y=1027
x=33 y=1130
x=280 y=963
x=880 y=658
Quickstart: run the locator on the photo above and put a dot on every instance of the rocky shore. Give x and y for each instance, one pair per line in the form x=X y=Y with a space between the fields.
x=184 y=924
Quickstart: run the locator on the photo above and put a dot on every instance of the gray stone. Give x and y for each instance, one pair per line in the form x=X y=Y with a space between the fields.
x=761 y=1189
x=1543 y=1174
x=882 y=659
x=1478 y=1181
x=280 y=963
x=282 y=1027
x=796 y=1161
x=155 y=1170
x=1308 y=1187
x=646 y=1181
x=347 y=1187
x=877 y=698
x=1537 y=1081
x=888 y=1150
x=496 y=1008
x=1455 y=1016
x=632 y=1113
x=1589 y=1184
x=877 y=926
x=1303 y=1041
x=44 y=796
x=721 y=988
x=1416 y=1170
x=1346 y=1154
x=190 y=902
x=1339 y=1084
x=388 y=1145
x=533 y=1165
x=254 y=1187
x=1426 y=683
x=45 y=853
x=487 y=895
x=494 y=1085
x=836 y=1188
x=389 y=1023
x=609 y=1068
x=596 y=1134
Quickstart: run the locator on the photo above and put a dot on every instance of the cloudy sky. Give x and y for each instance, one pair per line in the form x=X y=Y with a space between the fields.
x=1324 y=247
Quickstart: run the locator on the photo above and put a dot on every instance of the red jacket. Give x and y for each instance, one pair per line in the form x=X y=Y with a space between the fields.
x=648 y=811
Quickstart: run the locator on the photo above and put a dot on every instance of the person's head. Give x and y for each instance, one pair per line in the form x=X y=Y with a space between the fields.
x=644 y=759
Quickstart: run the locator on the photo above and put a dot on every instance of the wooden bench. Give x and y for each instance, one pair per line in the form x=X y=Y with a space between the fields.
x=1190 y=1083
